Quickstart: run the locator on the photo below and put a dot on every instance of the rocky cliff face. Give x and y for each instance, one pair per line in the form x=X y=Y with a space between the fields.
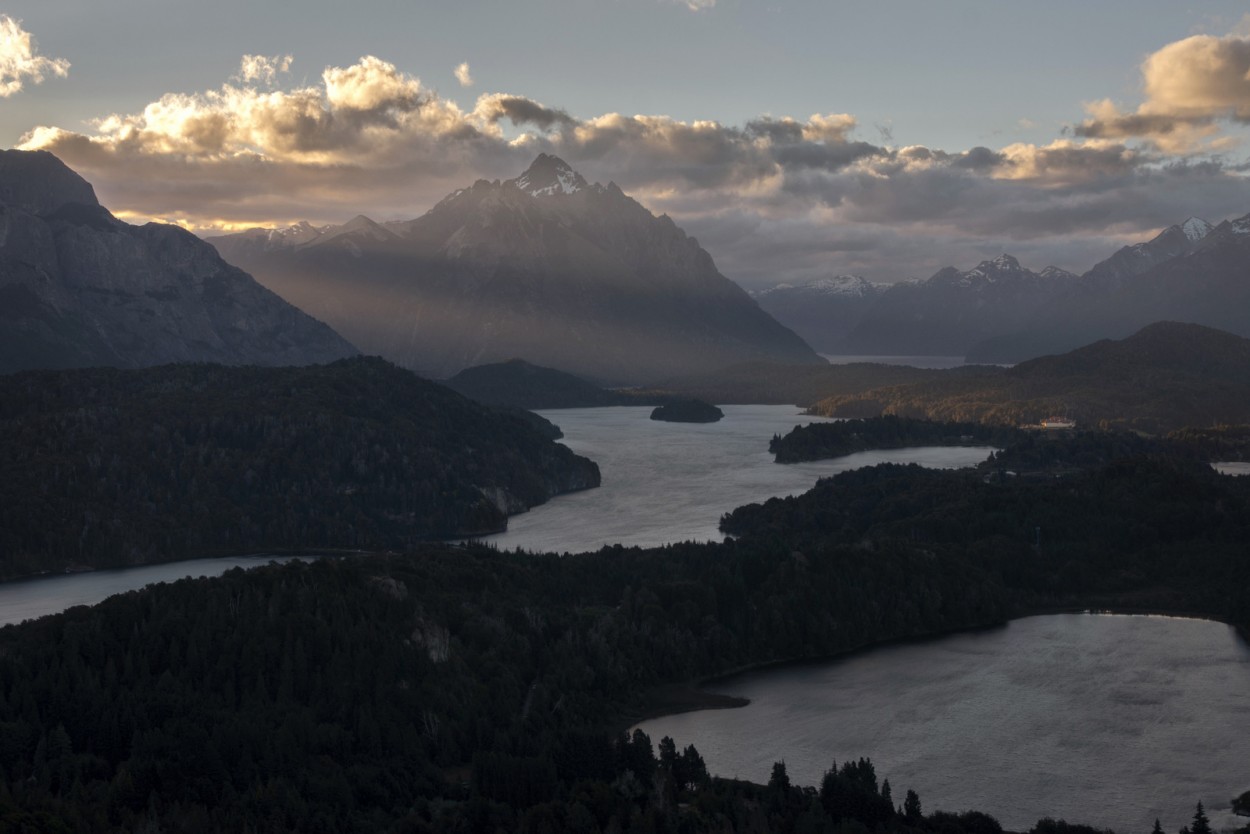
x=545 y=267
x=78 y=287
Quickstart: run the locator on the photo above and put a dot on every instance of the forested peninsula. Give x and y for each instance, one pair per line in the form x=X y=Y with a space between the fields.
x=106 y=467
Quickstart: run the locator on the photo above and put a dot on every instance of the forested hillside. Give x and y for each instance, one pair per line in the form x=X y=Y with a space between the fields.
x=105 y=467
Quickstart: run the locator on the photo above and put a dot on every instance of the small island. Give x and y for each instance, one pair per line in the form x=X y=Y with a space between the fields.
x=687 y=411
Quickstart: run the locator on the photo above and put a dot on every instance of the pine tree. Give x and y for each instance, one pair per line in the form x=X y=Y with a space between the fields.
x=911 y=807
x=1201 y=825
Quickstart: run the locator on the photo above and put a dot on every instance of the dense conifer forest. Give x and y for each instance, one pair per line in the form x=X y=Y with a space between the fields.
x=105 y=467
x=817 y=441
x=463 y=689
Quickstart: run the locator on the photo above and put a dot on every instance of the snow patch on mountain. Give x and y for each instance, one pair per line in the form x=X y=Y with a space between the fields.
x=548 y=176
x=851 y=286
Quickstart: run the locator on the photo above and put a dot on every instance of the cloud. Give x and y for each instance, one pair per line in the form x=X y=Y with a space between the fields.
x=263 y=69
x=463 y=76
x=775 y=198
x=519 y=110
x=697 y=5
x=18 y=62
x=1190 y=86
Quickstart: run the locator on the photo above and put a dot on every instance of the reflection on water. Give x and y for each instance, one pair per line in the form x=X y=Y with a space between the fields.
x=1232 y=467
x=671 y=482
x=1106 y=720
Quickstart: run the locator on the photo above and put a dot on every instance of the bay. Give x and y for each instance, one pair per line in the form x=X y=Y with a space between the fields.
x=1100 y=719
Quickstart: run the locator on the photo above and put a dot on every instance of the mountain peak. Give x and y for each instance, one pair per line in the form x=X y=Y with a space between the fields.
x=1195 y=229
x=38 y=183
x=1003 y=261
x=549 y=175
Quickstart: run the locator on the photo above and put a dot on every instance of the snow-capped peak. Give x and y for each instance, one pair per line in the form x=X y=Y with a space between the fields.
x=846 y=285
x=1195 y=229
x=1240 y=226
x=550 y=175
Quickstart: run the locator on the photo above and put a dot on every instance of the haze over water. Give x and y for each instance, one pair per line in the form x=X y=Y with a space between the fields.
x=671 y=482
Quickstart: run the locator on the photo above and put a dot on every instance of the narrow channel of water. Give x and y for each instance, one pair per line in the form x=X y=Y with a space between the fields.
x=26 y=599
x=672 y=482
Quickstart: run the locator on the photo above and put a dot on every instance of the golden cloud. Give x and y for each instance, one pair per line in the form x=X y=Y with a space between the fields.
x=1190 y=86
x=18 y=62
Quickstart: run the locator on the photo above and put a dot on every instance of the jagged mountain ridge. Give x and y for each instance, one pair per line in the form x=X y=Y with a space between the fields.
x=1190 y=272
x=954 y=309
x=78 y=287
x=545 y=267
x=822 y=311
x=1001 y=312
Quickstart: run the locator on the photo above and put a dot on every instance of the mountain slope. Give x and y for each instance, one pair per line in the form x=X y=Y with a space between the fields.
x=78 y=287
x=823 y=311
x=1189 y=272
x=1164 y=377
x=952 y=310
x=519 y=384
x=545 y=267
x=108 y=467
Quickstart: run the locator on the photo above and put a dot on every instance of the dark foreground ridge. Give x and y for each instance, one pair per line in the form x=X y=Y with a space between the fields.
x=108 y=467
x=460 y=689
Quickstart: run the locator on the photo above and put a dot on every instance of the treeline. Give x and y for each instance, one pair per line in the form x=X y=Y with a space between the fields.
x=351 y=694
x=817 y=441
x=105 y=467
x=1133 y=523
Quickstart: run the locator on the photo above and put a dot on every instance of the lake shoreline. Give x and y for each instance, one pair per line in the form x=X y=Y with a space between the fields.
x=695 y=695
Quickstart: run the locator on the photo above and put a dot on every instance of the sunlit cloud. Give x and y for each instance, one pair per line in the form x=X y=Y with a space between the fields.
x=19 y=63
x=262 y=68
x=463 y=75
x=774 y=198
x=1190 y=87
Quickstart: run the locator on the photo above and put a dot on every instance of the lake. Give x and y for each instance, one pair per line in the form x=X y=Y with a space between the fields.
x=26 y=599
x=931 y=362
x=671 y=482
x=1100 y=719
x=662 y=483
x=1235 y=467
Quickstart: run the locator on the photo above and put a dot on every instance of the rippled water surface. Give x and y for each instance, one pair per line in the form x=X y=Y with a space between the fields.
x=1106 y=720
x=671 y=482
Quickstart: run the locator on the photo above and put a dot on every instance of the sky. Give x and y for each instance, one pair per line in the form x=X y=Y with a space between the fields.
x=795 y=140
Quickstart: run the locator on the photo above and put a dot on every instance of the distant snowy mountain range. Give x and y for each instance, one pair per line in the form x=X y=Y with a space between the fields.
x=999 y=311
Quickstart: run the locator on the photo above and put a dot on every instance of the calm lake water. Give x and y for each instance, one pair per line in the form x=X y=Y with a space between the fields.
x=671 y=482
x=936 y=362
x=1100 y=719
x=662 y=483
x=1232 y=467
x=27 y=599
